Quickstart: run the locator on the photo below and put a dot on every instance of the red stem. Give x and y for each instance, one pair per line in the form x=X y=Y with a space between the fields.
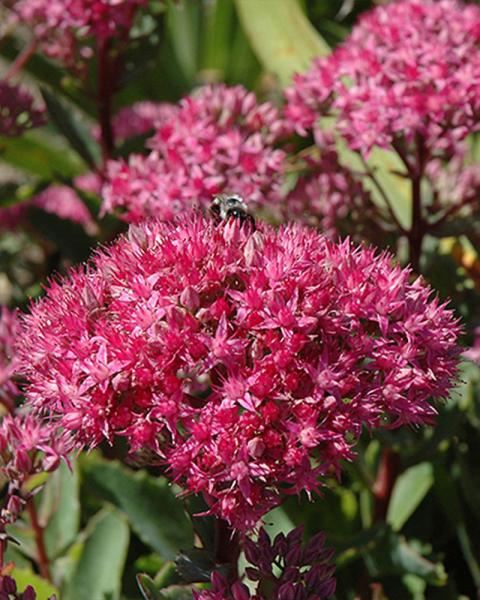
x=43 y=561
x=388 y=471
x=21 y=60
x=417 y=232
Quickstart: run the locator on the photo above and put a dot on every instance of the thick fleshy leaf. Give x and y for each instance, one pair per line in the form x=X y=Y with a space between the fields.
x=281 y=35
x=154 y=513
x=410 y=489
x=98 y=572
x=148 y=588
x=184 y=27
x=60 y=509
x=151 y=591
x=63 y=118
x=216 y=41
x=38 y=154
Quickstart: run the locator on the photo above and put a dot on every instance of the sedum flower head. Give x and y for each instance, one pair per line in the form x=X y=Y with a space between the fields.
x=282 y=566
x=64 y=26
x=17 y=112
x=219 y=139
x=248 y=361
x=409 y=68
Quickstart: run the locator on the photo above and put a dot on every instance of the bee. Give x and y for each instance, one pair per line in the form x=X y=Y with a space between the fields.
x=231 y=206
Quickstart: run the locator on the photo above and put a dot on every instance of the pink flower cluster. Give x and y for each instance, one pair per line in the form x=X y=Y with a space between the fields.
x=409 y=69
x=9 y=330
x=283 y=567
x=28 y=446
x=328 y=196
x=63 y=26
x=248 y=361
x=219 y=139
x=17 y=111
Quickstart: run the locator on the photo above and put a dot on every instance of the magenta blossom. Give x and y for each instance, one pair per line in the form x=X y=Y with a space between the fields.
x=64 y=26
x=247 y=361
x=409 y=73
x=219 y=139
x=17 y=111
x=283 y=567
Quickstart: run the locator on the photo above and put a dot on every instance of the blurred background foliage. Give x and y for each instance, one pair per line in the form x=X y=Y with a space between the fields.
x=108 y=521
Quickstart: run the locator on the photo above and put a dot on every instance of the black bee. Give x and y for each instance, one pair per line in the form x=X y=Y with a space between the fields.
x=231 y=206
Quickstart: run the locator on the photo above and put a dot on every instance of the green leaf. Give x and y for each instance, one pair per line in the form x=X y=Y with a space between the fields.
x=152 y=509
x=184 y=27
x=70 y=237
x=60 y=508
x=43 y=588
x=36 y=153
x=388 y=554
x=410 y=489
x=148 y=588
x=282 y=37
x=277 y=521
x=217 y=36
x=65 y=122
x=177 y=592
x=195 y=565
x=99 y=569
x=386 y=169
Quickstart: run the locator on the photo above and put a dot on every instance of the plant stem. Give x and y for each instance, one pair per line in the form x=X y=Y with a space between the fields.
x=383 y=194
x=21 y=60
x=388 y=471
x=227 y=547
x=417 y=232
x=104 y=99
x=43 y=562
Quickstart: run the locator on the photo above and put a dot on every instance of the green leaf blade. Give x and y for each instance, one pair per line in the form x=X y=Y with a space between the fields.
x=410 y=489
x=281 y=36
x=98 y=572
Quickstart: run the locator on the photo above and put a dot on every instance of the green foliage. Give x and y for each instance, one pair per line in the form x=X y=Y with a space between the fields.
x=149 y=504
x=99 y=567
